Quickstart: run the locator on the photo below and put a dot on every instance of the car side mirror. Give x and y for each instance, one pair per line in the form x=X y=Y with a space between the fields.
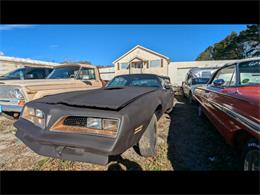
x=218 y=82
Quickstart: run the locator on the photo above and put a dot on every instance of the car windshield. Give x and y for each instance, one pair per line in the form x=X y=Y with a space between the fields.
x=64 y=72
x=250 y=73
x=139 y=81
x=197 y=81
x=17 y=74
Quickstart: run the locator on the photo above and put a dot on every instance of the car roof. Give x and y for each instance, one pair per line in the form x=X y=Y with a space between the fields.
x=75 y=64
x=142 y=75
x=242 y=60
x=34 y=67
x=196 y=70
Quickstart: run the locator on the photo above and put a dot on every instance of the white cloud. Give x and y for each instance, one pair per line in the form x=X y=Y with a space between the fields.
x=14 y=26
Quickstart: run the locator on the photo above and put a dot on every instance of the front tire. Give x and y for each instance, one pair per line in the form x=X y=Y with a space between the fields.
x=147 y=145
x=251 y=156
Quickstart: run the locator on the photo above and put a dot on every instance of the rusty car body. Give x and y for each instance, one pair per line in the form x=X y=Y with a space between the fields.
x=231 y=101
x=64 y=78
x=93 y=125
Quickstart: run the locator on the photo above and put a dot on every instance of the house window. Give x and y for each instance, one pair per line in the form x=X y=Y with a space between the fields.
x=124 y=65
x=155 y=63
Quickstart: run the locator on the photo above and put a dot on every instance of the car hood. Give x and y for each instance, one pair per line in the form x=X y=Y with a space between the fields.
x=104 y=98
x=44 y=84
x=29 y=82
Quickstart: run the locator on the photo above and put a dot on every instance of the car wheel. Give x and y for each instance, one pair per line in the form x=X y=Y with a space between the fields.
x=251 y=156
x=147 y=145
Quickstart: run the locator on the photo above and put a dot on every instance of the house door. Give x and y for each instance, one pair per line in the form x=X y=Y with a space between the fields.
x=136 y=67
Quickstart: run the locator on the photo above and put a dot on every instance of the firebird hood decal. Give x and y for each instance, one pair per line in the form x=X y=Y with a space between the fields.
x=104 y=98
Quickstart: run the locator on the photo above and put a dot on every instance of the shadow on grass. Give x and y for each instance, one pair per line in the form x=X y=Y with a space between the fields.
x=129 y=165
x=195 y=144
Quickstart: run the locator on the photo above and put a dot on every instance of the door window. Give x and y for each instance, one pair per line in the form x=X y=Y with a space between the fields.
x=249 y=73
x=87 y=74
x=228 y=74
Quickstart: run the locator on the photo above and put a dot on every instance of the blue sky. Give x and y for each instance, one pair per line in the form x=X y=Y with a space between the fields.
x=102 y=44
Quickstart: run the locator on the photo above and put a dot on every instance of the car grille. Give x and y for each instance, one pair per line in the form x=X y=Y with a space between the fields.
x=75 y=121
x=5 y=92
x=78 y=124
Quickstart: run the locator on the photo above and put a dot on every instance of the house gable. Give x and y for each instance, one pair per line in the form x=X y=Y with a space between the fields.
x=140 y=52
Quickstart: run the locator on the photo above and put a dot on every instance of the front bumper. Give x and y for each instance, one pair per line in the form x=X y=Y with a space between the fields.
x=10 y=105
x=91 y=148
x=11 y=108
x=85 y=148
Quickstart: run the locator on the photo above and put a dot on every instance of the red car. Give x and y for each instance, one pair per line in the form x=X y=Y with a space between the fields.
x=231 y=101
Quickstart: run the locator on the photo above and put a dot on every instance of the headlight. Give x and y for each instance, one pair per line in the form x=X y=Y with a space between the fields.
x=36 y=116
x=16 y=93
x=39 y=113
x=94 y=123
x=110 y=124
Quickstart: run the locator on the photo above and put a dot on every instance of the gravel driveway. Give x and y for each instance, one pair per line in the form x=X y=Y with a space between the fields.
x=186 y=142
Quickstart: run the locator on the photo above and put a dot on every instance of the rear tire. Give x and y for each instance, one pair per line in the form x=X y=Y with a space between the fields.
x=147 y=145
x=251 y=156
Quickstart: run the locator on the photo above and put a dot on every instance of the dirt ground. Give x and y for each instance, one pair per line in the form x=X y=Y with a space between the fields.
x=186 y=142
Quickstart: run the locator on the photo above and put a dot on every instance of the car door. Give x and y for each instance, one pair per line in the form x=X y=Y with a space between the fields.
x=219 y=96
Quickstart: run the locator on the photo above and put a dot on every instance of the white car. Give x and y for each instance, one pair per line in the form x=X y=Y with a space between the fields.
x=196 y=77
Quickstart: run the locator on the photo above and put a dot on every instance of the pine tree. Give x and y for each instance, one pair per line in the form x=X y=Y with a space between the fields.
x=233 y=46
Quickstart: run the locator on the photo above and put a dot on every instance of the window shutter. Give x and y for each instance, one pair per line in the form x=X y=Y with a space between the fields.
x=118 y=68
x=147 y=64
x=161 y=62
